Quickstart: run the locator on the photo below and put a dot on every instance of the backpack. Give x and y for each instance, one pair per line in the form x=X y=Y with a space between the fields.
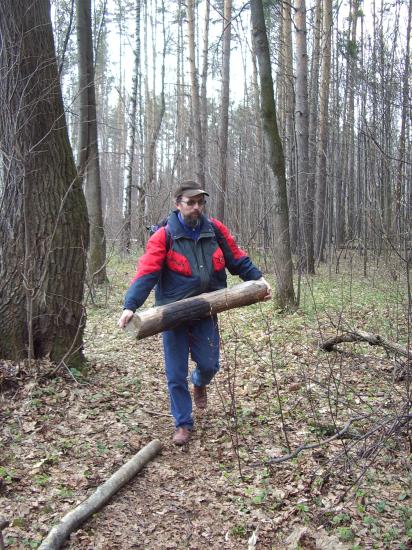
x=163 y=223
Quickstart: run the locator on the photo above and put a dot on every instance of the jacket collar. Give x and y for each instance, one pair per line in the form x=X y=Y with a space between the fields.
x=177 y=231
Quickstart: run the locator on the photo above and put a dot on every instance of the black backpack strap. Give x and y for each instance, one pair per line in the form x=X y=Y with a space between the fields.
x=168 y=237
x=217 y=232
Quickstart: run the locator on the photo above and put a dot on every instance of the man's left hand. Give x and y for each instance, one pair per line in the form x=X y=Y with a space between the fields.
x=269 y=292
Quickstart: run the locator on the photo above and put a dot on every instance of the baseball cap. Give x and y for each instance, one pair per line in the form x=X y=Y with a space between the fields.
x=189 y=188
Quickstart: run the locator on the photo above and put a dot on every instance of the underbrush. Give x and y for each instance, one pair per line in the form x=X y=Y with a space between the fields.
x=334 y=425
x=300 y=445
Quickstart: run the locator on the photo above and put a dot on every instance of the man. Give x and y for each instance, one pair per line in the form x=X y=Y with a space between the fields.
x=184 y=258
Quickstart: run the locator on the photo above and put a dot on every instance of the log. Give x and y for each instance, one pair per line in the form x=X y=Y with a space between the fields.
x=157 y=319
x=100 y=497
x=362 y=336
x=3 y=524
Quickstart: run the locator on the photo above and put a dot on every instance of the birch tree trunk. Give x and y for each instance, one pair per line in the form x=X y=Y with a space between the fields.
x=203 y=87
x=131 y=139
x=158 y=113
x=321 y=176
x=283 y=257
x=286 y=82
x=88 y=158
x=314 y=88
x=181 y=137
x=349 y=125
x=306 y=193
x=224 y=109
x=194 y=94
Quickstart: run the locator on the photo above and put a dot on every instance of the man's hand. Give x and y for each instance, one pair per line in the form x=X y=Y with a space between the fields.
x=125 y=317
x=269 y=293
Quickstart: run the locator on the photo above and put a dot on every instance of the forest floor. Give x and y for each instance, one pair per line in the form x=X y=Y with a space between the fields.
x=62 y=436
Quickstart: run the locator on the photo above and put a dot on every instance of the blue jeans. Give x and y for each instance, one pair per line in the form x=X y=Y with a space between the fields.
x=201 y=338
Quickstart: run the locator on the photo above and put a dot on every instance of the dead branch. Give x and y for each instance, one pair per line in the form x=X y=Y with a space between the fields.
x=100 y=497
x=310 y=446
x=154 y=413
x=361 y=336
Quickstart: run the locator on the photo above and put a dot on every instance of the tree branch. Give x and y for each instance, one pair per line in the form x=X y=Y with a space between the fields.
x=362 y=336
x=309 y=446
x=100 y=497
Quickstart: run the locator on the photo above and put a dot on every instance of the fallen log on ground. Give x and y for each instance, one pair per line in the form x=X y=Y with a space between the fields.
x=361 y=336
x=157 y=319
x=100 y=497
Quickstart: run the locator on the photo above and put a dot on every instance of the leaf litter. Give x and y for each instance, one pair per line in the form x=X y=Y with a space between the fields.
x=62 y=436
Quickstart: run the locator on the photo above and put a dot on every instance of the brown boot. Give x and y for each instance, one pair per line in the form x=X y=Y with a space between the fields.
x=181 y=436
x=200 y=396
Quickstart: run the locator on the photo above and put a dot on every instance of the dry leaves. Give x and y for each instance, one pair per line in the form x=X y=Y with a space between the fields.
x=62 y=437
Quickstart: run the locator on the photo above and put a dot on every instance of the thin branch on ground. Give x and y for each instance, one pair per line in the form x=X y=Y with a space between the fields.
x=310 y=446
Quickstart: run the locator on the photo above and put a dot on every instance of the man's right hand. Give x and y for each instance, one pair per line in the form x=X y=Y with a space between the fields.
x=126 y=316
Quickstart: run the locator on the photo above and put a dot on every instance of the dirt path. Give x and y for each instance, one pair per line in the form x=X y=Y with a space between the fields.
x=182 y=499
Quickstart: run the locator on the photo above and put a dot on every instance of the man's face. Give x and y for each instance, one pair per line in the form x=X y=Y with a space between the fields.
x=191 y=208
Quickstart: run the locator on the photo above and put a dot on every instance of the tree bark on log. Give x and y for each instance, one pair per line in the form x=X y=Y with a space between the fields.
x=100 y=497
x=157 y=319
x=362 y=336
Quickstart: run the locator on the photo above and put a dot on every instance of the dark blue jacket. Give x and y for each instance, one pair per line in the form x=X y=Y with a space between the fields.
x=181 y=267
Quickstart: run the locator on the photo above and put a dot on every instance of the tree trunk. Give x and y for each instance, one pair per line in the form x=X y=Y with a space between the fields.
x=274 y=150
x=181 y=137
x=306 y=194
x=158 y=114
x=153 y=127
x=203 y=87
x=88 y=162
x=288 y=132
x=43 y=221
x=320 y=203
x=401 y=195
x=349 y=126
x=131 y=141
x=314 y=88
x=224 y=109
x=197 y=126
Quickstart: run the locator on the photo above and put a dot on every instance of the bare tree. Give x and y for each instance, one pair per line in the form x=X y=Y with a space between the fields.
x=153 y=132
x=224 y=108
x=43 y=219
x=274 y=150
x=197 y=126
x=286 y=109
x=203 y=87
x=402 y=213
x=320 y=203
x=314 y=87
x=306 y=193
x=131 y=138
x=88 y=157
